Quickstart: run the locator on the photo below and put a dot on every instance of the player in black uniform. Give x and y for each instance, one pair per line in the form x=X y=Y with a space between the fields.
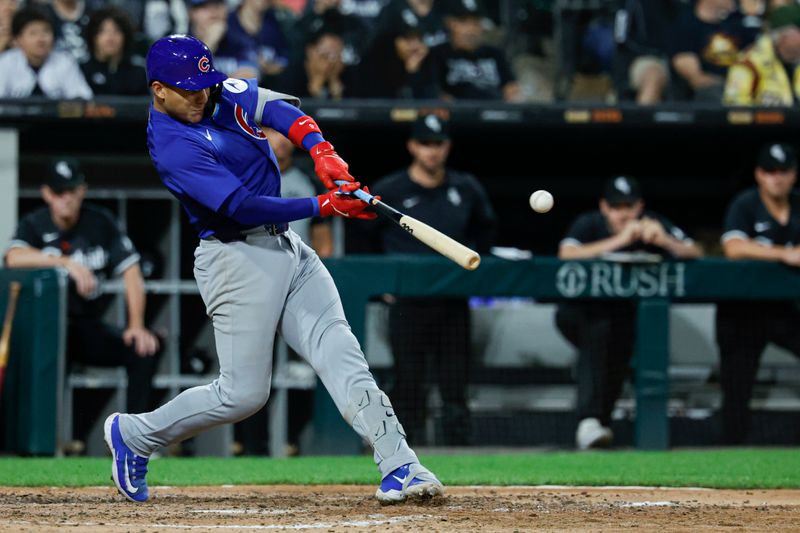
x=86 y=241
x=603 y=332
x=432 y=329
x=467 y=68
x=762 y=223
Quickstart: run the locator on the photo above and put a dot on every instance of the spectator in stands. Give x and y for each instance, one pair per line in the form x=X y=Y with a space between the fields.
x=70 y=18
x=236 y=57
x=366 y=11
x=109 y=69
x=766 y=73
x=603 y=332
x=257 y=21
x=157 y=18
x=397 y=65
x=86 y=241
x=426 y=14
x=33 y=68
x=641 y=60
x=432 y=333
x=316 y=232
x=321 y=73
x=752 y=12
x=358 y=20
x=706 y=41
x=7 y=10
x=465 y=67
x=762 y=223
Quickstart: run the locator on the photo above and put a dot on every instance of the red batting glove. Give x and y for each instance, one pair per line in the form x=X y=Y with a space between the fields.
x=340 y=203
x=329 y=166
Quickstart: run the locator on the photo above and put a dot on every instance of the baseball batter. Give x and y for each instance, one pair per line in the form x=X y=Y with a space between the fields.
x=254 y=274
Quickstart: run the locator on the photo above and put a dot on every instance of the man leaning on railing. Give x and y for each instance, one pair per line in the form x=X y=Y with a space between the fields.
x=603 y=331
x=762 y=223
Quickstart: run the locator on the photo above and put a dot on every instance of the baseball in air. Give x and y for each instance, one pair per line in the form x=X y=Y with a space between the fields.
x=541 y=201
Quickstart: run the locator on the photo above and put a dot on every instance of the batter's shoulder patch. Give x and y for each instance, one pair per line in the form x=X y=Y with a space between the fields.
x=235 y=85
x=247 y=124
x=238 y=107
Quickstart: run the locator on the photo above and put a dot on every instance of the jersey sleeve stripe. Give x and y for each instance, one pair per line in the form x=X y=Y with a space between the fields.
x=734 y=234
x=126 y=263
x=18 y=243
x=569 y=241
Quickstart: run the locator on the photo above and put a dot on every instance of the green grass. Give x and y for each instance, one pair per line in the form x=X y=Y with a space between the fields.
x=739 y=468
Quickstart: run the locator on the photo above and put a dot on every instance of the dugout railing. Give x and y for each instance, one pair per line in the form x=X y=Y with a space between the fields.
x=654 y=286
x=37 y=346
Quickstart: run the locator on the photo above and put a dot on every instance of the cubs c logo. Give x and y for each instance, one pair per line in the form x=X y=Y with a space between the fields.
x=204 y=64
x=241 y=120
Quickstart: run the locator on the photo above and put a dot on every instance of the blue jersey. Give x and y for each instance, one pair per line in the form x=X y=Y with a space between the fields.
x=216 y=164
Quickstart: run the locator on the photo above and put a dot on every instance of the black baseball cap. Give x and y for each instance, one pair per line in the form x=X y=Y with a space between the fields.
x=464 y=8
x=777 y=156
x=430 y=128
x=64 y=175
x=622 y=190
x=406 y=26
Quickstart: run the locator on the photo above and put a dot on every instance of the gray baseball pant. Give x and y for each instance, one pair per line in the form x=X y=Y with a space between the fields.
x=252 y=289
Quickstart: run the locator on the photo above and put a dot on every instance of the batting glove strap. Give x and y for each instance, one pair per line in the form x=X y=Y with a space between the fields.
x=302 y=127
x=329 y=166
x=339 y=203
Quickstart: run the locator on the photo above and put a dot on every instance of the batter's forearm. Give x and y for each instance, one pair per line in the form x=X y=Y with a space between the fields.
x=257 y=210
x=292 y=123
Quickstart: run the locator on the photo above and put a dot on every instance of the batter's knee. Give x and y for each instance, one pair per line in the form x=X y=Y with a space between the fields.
x=240 y=403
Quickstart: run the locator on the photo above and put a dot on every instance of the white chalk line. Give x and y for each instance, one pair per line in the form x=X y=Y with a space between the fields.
x=487 y=487
x=648 y=504
x=582 y=487
x=313 y=525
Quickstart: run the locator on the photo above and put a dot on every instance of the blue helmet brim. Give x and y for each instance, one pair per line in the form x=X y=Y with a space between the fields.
x=201 y=80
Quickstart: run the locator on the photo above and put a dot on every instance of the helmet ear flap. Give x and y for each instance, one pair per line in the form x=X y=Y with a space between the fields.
x=214 y=96
x=216 y=92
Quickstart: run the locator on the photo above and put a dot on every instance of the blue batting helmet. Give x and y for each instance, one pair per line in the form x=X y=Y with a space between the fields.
x=182 y=61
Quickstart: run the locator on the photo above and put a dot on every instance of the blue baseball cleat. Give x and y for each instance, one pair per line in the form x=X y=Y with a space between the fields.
x=410 y=481
x=128 y=470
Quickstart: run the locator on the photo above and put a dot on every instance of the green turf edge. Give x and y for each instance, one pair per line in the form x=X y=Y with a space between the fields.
x=736 y=468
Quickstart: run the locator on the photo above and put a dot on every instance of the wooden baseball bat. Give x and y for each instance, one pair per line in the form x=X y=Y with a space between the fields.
x=5 y=339
x=450 y=248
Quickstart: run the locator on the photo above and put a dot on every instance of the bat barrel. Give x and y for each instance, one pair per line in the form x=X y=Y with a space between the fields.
x=435 y=239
